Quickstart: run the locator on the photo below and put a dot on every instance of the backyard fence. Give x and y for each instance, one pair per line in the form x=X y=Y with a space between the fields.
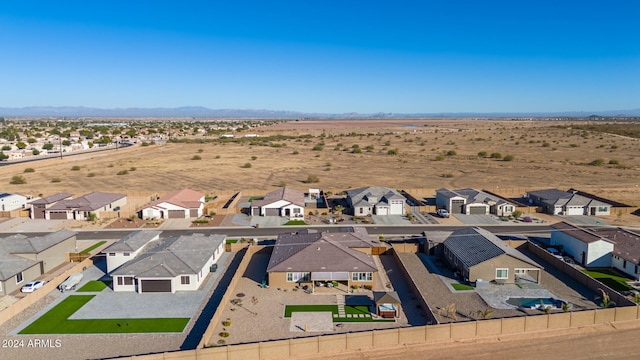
x=414 y=335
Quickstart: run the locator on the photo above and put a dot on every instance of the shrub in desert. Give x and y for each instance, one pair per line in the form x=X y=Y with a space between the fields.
x=312 y=179
x=18 y=180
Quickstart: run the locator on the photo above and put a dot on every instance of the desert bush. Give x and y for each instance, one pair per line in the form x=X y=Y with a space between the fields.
x=18 y=180
x=254 y=157
x=246 y=165
x=452 y=153
x=295 y=152
x=122 y=172
x=75 y=168
x=611 y=162
x=312 y=179
x=133 y=168
x=91 y=174
x=318 y=148
x=29 y=170
x=496 y=155
x=439 y=158
x=56 y=180
x=508 y=158
x=196 y=157
x=482 y=154
x=392 y=152
x=597 y=162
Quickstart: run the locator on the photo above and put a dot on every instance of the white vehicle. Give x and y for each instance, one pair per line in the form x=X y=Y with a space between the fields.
x=555 y=253
x=32 y=286
x=71 y=282
x=443 y=213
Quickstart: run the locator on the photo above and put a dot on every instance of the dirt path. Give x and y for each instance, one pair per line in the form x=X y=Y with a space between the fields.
x=591 y=342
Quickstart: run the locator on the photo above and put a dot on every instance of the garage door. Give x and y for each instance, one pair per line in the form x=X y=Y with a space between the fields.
x=575 y=211
x=155 y=286
x=176 y=214
x=477 y=210
x=456 y=206
x=57 y=215
x=193 y=212
x=272 y=212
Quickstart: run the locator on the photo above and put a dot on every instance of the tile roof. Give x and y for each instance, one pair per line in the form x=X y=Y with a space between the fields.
x=170 y=257
x=89 y=202
x=293 y=196
x=186 y=198
x=51 y=199
x=576 y=232
x=134 y=241
x=476 y=245
x=311 y=251
x=626 y=243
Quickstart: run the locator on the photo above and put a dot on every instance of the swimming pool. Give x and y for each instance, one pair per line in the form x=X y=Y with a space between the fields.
x=535 y=303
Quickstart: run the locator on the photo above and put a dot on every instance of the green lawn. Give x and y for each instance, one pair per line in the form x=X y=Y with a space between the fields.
x=462 y=287
x=255 y=198
x=94 y=246
x=609 y=278
x=348 y=309
x=95 y=285
x=295 y=222
x=55 y=321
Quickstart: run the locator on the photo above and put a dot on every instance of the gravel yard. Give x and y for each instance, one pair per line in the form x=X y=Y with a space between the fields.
x=469 y=304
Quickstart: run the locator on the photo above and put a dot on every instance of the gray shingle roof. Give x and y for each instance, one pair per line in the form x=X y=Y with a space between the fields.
x=475 y=245
x=173 y=256
x=626 y=243
x=134 y=241
x=550 y=194
x=373 y=195
x=10 y=265
x=578 y=233
x=20 y=244
x=89 y=202
x=293 y=196
x=325 y=251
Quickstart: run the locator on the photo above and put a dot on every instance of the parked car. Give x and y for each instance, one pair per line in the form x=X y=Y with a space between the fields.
x=555 y=253
x=32 y=286
x=443 y=213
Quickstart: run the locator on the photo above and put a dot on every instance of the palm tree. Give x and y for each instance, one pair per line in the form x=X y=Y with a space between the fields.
x=606 y=300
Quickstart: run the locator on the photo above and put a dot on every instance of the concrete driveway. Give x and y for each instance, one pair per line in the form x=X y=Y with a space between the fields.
x=583 y=220
x=390 y=220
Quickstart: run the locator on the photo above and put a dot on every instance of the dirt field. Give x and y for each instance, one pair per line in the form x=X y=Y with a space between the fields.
x=544 y=155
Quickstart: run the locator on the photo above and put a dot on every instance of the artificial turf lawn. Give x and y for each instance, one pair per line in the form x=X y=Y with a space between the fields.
x=462 y=287
x=609 y=278
x=55 y=321
x=87 y=250
x=95 y=286
x=348 y=309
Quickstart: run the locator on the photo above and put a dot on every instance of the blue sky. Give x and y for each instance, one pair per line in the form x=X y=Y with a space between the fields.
x=323 y=56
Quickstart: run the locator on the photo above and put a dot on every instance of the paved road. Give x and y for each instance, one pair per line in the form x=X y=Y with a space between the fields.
x=533 y=229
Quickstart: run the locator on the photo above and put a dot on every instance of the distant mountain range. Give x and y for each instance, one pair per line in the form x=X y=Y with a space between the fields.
x=203 y=112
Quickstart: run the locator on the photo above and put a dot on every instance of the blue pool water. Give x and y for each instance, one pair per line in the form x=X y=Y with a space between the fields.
x=534 y=302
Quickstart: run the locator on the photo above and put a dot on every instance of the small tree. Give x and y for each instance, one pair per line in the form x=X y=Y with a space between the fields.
x=18 y=180
x=48 y=146
x=20 y=145
x=516 y=214
x=508 y=158
x=482 y=154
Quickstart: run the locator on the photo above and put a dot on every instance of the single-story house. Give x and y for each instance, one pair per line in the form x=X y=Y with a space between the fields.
x=584 y=245
x=128 y=247
x=39 y=205
x=284 y=202
x=23 y=259
x=312 y=258
x=80 y=207
x=10 y=202
x=376 y=200
x=170 y=264
x=558 y=202
x=180 y=204
x=477 y=254
x=469 y=201
x=626 y=249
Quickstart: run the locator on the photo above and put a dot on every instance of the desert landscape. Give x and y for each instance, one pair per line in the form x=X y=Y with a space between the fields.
x=506 y=156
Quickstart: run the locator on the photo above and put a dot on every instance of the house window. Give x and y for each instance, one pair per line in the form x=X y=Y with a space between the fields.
x=19 y=278
x=185 y=280
x=502 y=273
x=624 y=264
x=128 y=280
x=602 y=209
x=519 y=271
x=361 y=276
x=126 y=254
x=361 y=210
x=296 y=210
x=119 y=280
x=112 y=254
x=298 y=276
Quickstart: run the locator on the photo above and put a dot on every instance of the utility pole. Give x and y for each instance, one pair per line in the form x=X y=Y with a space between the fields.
x=60 y=147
